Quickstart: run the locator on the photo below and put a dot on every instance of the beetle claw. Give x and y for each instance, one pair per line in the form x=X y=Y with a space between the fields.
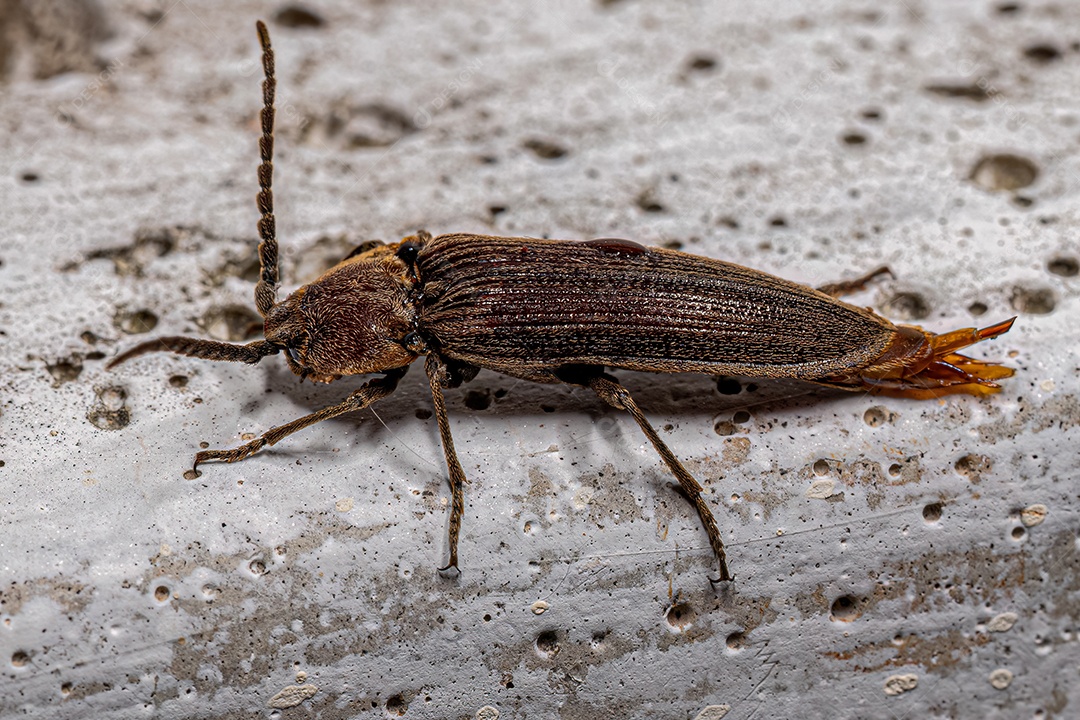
x=450 y=572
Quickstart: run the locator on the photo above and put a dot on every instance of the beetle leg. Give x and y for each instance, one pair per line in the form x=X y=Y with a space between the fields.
x=372 y=391
x=438 y=375
x=847 y=287
x=613 y=393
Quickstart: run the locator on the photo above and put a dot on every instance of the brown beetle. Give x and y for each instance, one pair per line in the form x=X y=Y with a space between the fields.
x=555 y=311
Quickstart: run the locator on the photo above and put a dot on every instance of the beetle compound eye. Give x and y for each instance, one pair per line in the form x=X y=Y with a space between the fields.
x=291 y=352
x=408 y=252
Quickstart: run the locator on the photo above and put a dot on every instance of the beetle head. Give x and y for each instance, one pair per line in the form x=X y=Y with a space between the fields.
x=350 y=321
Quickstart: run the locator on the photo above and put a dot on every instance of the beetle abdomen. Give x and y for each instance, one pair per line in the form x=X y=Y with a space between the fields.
x=540 y=304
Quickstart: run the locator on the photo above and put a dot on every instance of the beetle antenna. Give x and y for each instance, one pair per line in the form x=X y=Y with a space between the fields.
x=206 y=349
x=266 y=289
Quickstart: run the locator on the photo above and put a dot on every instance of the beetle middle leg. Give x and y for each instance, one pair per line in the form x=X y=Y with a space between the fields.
x=439 y=376
x=613 y=393
x=371 y=392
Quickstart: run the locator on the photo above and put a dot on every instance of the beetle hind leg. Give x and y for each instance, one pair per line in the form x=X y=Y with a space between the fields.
x=848 y=287
x=613 y=393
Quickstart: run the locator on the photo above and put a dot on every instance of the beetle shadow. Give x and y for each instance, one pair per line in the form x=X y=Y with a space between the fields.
x=683 y=398
x=658 y=394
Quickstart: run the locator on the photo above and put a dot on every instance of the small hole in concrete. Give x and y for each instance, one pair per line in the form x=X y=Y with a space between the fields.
x=298 y=16
x=724 y=428
x=230 y=322
x=66 y=370
x=162 y=593
x=736 y=641
x=972 y=467
x=845 y=608
x=423 y=414
x=1035 y=301
x=931 y=513
x=192 y=474
x=740 y=417
x=908 y=306
x=178 y=381
x=968 y=91
x=895 y=469
x=728 y=386
x=396 y=706
x=545 y=149
x=1064 y=266
x=821 y=467
x=1018 y=533
x=547 y=644
x=648 y=203
x=702 y=62
x=977 y=308
x=110 y=412
x=19 y=658
x=854 y=138
x=875 y=416
x=135 y=322
x=1042 y=53
x=1004 y=172
x=680 y=616
x=478 y=399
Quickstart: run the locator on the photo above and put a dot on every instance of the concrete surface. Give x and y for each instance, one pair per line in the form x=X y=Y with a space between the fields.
x=894 y=559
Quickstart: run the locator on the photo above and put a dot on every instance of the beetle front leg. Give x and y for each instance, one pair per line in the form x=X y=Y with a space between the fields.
x=372 y=391
x=438 y=375
x=613 y=393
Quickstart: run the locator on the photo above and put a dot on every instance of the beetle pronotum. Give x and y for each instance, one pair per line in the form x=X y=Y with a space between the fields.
x=555 y=311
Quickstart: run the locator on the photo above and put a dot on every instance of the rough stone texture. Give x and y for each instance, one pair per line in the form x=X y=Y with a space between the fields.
x=871 y=538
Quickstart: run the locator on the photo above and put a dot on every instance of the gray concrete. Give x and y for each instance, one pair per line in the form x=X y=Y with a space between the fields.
x=894 y=558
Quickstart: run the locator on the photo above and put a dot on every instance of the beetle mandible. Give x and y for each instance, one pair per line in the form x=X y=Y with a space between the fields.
x=556 y=311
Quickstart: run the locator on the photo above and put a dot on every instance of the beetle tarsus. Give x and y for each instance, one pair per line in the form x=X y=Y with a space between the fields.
x=725 y=577
x=451 y=571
